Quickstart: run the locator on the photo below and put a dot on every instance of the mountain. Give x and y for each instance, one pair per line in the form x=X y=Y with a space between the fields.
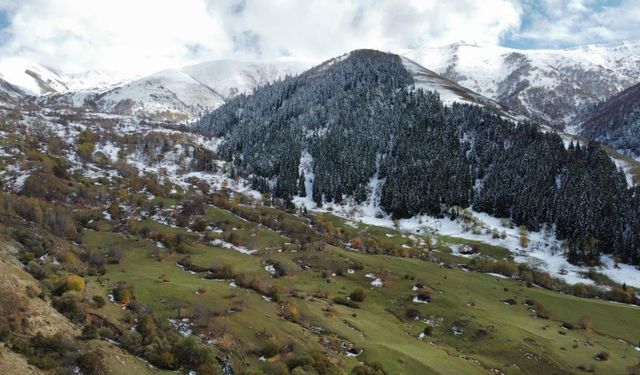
x=553 y=86
x=183 y=93
x=616 y=122
x=30 y=77
x=355 y=129
x=449 y=91
x=21 y=78
x=10 y=93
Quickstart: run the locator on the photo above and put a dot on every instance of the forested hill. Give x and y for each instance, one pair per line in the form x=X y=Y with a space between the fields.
x=359 y=121
x=616 y=122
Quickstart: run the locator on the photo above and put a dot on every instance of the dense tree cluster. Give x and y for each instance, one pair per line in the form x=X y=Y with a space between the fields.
x=357 y=120
x=624 y=136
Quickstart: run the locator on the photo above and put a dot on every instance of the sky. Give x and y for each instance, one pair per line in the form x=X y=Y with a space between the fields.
x=135 y=37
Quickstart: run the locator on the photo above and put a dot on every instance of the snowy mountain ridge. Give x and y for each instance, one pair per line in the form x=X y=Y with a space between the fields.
x=183 y=93
x=551 y=85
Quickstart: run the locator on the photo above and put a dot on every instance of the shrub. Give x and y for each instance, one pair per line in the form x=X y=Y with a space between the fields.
x=428 y=330
x=602 y=356
x=585 y=323
x=192 y=354
x=357 y=295
x=542 y=311
x=91 y=364
x=123 y=294
x=345 y=302
x=98 y=301
x=32 y=242
x=424 y=296
x=411 y=314
x=568 y=326
x=73 y=282
x=291 y=312
x=48 y=352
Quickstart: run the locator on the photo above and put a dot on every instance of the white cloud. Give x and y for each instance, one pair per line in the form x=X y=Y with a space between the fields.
x=574 y=22
x=142 y=36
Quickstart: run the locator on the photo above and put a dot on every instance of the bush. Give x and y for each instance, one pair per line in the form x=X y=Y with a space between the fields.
x=192 y=354
x=48 y=352
x=346 y=302
x=412 y=314
x=357 y=295
x=568 y=326
x=123 y=294
x=585 y=323
x=602 y=356
x=424 y=296
x=98 y=301
x=428 y=330
x=73 y=282
x=542 y=311
x=91 y=364
x=32 y=242
x=70 y=306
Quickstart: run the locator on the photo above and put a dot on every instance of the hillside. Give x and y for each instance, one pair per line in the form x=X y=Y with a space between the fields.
x=142 y=235
x=553 y=86
x=349 y=130
x=341 y=221
x=179 y=94
x=616 y=122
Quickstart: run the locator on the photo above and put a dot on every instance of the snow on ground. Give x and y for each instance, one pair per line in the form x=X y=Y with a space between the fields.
x=626 y=168
x=227 y=245
x=183 y=326
x=271 y=269
x=499 y=276
x=544 y=250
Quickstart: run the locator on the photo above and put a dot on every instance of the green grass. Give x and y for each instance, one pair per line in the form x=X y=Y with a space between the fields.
x=495 y=335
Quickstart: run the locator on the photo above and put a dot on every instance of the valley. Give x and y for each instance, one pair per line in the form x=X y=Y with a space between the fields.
x=177 y=254
x=364 y=216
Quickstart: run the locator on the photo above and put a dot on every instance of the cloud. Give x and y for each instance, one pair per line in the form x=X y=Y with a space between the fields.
x=127 y=37
x=558 y=23
x=142 y=36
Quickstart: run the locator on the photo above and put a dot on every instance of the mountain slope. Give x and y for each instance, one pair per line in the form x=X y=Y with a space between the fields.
x=450 y=92
x=355 y=130
x=30 y=77
x=551 y=85
x=616 y=122
x=181 y=93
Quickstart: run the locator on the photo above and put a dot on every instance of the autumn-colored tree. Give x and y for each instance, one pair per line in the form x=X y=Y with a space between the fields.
x=357 y=242
x=73 y=282
x=524 y=236
x=147 y=325
x=585 y=323
x=291 y=312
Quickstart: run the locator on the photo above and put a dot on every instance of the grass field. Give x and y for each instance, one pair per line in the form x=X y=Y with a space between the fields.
x=474 y=329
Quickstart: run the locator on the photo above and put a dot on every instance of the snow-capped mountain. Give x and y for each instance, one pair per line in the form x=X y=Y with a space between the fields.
x=449 y=90
x=20 y=77
x=551 y=85
x=183 y=93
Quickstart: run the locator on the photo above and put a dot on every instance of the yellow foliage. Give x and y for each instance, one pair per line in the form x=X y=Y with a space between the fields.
x=74 y=282
x=123 y=194
x=524 y=236
x=291 y=311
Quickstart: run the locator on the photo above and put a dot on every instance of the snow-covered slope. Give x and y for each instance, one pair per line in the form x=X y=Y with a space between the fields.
x=30 y=77
x=448 y=90
x=616 y=122
x=552 y=85
x=184 y=93
x=21 y=77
